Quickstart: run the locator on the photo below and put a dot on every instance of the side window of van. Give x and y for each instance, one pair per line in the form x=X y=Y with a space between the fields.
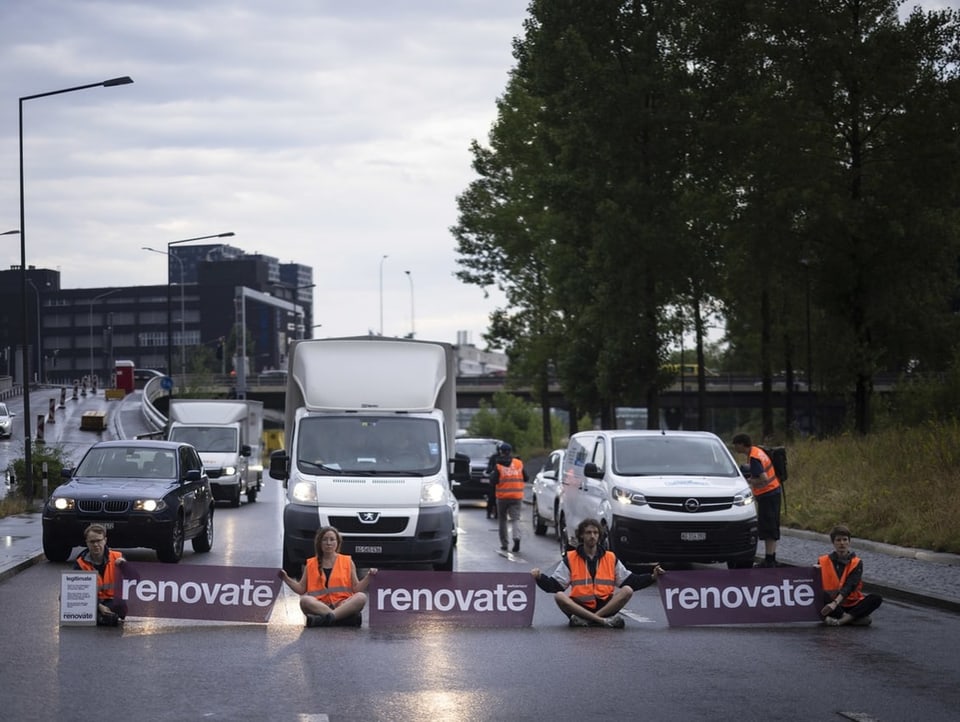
x=599 y=455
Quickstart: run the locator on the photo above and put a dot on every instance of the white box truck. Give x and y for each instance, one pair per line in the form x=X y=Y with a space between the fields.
x=370 y=429
x=227 y=434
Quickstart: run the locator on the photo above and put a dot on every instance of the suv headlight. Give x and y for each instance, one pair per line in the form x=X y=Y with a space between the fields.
x=150 y=505
x=625 y=496
x=304 y=492
x=744 y=497
x=63 y=503
x=431 y=492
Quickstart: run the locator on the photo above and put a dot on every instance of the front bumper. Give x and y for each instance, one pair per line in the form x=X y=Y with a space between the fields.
x=639 y=541
x=131 y=530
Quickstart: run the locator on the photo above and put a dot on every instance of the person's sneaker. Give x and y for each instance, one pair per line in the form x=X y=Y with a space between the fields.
x=320 y=620
x=615 y=622
x=832 y=622
x=516 y=545
x=862 y=621
x=576 y=621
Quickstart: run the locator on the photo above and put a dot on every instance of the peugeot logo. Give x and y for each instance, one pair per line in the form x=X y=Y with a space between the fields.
x=691 y=505
x=368 y=517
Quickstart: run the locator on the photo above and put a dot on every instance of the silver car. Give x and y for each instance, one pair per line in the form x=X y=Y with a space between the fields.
x=6 y=421
x=546 y=490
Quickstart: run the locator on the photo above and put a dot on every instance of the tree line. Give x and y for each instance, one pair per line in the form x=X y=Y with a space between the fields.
x=786 y=171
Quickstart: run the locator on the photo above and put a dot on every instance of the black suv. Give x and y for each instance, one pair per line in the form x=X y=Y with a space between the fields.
x=479 y=451
x=151 y=494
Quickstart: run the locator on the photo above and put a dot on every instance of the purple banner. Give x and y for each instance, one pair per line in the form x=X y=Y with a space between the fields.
x=741 y=596
x=190 y=591
x=464 y=599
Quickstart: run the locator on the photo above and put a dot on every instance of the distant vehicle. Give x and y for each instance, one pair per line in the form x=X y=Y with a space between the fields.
x=6 y=421
x=150 y=494
x=660 y=496
x=546 y=493
x=273 y=377
x=479 y=450
x=688 y=370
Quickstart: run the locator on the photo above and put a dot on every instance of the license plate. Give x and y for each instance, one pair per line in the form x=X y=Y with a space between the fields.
x=693 y=536
x=107 y=524
x=367 y=549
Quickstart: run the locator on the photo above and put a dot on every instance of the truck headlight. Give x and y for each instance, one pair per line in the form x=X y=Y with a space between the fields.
x=744 y=497
x=625 y=496
x=304 y=492
x=431 y=492
x=229 y=470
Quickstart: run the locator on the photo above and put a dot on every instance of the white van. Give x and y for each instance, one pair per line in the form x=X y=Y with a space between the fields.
x=661 y=496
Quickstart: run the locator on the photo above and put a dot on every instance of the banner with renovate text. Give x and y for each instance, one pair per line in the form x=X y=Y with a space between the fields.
x=192 y=591
x=464 y=599
x=741 y=596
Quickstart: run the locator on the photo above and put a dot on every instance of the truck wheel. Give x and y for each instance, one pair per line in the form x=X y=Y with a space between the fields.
x=251 y=494
x=203 y=542
x=539 y=525
x=56 y=550
x=171 y=551
x=446 y=565
x=235 y=501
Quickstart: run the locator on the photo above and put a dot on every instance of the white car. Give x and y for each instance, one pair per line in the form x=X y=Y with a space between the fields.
x=546 y=497
x=6 y=421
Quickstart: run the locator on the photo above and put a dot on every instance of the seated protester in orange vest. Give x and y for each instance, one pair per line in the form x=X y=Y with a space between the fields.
x=766 y=492
x=841 y=572
x=330 y=592
x=100 y=558
x=508 y=477
x=599 y=585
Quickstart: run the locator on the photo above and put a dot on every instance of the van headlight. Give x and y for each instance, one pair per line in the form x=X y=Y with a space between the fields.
x=744 y=497
x=304 y=492
x=625 y=496
x=431 y=492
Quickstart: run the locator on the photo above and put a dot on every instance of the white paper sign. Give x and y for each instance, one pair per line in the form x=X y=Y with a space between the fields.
x=78 y=599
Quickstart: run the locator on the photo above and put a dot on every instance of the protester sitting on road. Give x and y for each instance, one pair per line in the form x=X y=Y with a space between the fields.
x=841 y=572
x=330 y=592
x=600 y=586
x=99 y=558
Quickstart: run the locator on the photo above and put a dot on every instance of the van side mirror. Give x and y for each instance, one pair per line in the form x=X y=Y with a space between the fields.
x=245 y=450
x=280 y=465
x=460 y=465
x=592 y=471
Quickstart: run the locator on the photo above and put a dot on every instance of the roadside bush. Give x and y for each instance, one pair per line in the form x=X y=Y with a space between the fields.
x=52 y=456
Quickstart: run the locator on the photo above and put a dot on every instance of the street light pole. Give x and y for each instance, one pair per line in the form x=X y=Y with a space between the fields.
x=183 y=332
x=27 y=441
x=412 y=327
x=169 y=301
x=92 y=301
x=384 y=258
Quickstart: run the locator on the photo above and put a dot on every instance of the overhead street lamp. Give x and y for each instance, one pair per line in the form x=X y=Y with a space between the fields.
x=412 y=329
x=92 y=301
x=170 y=303
x=27 y=441
x=384 y=258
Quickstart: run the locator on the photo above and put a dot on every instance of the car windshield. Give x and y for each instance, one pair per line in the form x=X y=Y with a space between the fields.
x=477 y=449
x=672 y=456
x=121 y=462
x=387 y=444
x=212 y=439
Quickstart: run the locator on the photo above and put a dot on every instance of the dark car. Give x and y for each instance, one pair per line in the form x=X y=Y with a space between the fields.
x=479 y=451
x=151 y=494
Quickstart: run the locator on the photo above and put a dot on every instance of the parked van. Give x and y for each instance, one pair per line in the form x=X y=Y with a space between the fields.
x=661 y=496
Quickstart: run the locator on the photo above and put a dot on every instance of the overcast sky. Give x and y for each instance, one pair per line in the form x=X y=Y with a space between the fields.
x=326 y=133
x=322 y=132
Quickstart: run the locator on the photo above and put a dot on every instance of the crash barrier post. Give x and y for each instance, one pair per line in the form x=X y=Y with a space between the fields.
x=50 y=417
x=63 y=396
x=40 y=420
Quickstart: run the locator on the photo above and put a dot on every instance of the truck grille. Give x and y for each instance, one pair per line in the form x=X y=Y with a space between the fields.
x=383 y=525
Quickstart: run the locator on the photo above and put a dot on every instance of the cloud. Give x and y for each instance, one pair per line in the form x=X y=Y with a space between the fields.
x=324 y=133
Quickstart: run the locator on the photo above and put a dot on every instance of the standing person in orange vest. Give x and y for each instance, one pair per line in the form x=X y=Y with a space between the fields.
x=590 y=585
x=330 y=591
x=767 y=492
x=508 y=476
x=99 y=558
x=841 y=572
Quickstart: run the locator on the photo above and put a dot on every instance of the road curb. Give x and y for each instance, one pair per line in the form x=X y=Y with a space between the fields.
x=20 y=566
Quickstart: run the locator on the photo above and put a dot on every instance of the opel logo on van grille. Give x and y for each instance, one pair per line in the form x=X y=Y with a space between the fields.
x=368 y=517
x=692 y=504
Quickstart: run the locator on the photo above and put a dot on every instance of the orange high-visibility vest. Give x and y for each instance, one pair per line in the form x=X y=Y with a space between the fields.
x=832 y=585
x=341 y=580
x=106 y=587
x=588 y=591
x=769 y=475
x=510 y=484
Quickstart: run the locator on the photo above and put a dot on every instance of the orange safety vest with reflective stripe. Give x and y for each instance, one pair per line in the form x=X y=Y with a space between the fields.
x=585 y=590
x=769 y=475
x=106 y=588
x=832 y=585
x=341 y=580
x=510 y=480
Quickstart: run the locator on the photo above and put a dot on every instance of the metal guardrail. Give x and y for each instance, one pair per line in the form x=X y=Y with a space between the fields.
x=154 y=419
